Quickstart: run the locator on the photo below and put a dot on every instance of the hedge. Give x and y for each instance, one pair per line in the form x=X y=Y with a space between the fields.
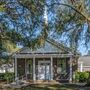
x=7 y=77
x=2 y=77
x=81 y=76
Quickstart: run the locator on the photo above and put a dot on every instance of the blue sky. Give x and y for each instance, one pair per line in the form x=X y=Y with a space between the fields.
x=81 y=48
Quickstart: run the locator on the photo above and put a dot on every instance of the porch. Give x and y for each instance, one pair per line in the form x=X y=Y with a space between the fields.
x=44 y=67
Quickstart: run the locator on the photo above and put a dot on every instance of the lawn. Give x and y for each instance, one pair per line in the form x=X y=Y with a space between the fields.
x=51 y=87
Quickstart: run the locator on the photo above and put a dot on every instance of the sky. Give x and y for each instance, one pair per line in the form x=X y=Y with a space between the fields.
x=81 y=48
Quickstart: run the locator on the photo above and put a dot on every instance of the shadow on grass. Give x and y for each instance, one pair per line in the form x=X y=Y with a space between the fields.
x=50 y=87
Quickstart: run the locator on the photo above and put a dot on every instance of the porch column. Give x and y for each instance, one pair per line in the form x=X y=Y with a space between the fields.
x=51 y=68
x=81 y=67
x=15 y=65
x=70 y=78
x=34 y=76
x=25 y=68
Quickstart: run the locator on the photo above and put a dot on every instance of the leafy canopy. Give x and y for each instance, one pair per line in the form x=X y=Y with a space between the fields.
x=67 y=19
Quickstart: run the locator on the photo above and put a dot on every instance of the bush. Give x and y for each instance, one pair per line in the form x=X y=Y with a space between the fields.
x=81 y=76
x=76 y=77
x=88 y=81
x=2 y=77
x=9 y=77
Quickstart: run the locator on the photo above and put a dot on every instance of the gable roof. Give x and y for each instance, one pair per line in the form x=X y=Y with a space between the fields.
x=59 y=45
x=50 y=46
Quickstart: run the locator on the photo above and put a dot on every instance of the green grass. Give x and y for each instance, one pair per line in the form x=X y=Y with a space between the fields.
x=50 y=87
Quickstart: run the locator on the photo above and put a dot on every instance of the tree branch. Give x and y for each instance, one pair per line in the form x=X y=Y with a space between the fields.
x=88 y=19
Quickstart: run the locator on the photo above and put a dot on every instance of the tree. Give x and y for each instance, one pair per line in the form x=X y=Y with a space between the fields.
x=71 y=20
x=67 y=18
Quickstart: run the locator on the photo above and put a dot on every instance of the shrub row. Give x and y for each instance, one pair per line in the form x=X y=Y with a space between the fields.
x=81 y=76
x=7 y=77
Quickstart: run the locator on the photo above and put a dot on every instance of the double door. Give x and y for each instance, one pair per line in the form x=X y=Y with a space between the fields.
x=44 y=70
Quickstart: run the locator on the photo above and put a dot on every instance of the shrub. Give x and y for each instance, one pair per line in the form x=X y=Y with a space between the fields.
x=88 y=81
x=76 y=77
x=81 y=76
x=2 y=77
x=7 y=77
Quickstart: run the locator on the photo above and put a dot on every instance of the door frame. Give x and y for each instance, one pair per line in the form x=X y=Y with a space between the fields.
x=45 y=62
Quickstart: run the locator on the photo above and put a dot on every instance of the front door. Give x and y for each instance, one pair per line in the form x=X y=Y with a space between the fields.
x=44 y=70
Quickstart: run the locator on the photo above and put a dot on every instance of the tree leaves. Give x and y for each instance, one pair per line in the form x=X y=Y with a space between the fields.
x=26 y=22
x=2 y=6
